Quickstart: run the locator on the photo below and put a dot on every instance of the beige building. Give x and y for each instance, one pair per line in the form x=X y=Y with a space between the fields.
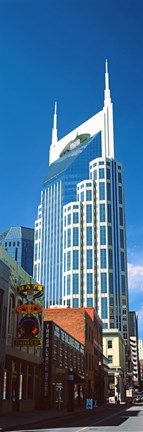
x=114 y=350
x=20 y=366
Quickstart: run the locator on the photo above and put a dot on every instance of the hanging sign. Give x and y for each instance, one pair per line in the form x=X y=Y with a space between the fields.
x=29 y=325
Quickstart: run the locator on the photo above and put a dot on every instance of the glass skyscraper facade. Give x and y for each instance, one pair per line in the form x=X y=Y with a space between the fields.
x=94 y=265
x=59 y=187
x=19 y=243
x=80 y=235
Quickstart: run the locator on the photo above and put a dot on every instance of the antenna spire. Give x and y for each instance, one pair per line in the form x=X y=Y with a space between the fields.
x=107 y=98
x=54 y=129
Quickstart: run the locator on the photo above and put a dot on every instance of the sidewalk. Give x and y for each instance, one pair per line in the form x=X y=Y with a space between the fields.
x=20 y=420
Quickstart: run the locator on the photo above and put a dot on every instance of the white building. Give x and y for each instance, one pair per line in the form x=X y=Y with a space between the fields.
x=95 y=259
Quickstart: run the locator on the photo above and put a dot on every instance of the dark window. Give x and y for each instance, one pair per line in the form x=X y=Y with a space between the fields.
x=1 y=306
x=110 y=359
x=16 y=253
x=4 y=322
x=109 y=343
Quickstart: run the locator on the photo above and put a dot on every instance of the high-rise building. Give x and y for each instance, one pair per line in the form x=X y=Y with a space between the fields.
x=80 y=235
x=140 y=349
x=19 y=243
x=133 y=333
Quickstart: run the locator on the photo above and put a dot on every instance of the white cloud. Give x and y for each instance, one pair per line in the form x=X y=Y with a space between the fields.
x=135 y=282
x=135 y=277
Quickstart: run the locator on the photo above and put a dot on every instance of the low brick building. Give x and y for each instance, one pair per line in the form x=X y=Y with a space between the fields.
x=64 y=368
x=84 y=325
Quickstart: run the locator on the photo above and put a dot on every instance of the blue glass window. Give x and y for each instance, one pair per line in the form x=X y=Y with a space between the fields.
x=89 y=236
x=119 y=177
x=89 y=258
x=75 y=217
x=69 y=238
x=64 y=239
x=103 y=258
x=75 y=236
x=89 y=283
x=75 y=283
x=120 y=195
x=68 y=284
x=75 y=303
x=121 y=215
x=69 y=219
x=102 y=212
x=64 y=285
x=65 y=220
x=102 y=191
x=123 y=285
x=89 y=302
x=88 y=195
x=35 y=271
x=108 y=174
x=122 y=238
x=102 y=235
x=103 y=282
x=75 y=206
x=75 y=259
x=89 y=213
x=101 y=173
x=110 y=256
x=111 y=283
x=104 y=325
x=111 y=301
x=122 y=261
x=110 y=235
x=64 y=262
x=101 y=162
x=69 y=260
x=82 y=196
x=36 y=235
x=36 y=252
x=95 y=175
x=104 y=308
x=109 y=213
x=108 y=191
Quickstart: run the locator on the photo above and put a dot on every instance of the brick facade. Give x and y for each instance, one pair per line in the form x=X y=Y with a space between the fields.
x=84 y=325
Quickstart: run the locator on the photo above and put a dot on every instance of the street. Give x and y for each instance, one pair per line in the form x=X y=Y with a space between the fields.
x=108 y=418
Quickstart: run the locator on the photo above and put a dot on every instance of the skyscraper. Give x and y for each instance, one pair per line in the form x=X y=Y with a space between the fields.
x=19 y=243
x=80 y=237
x=133 y=333
x=140 y=349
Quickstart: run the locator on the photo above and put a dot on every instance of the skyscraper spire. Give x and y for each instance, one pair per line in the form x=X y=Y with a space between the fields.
x=54 y=130
x=108 y=132
x=107 y=98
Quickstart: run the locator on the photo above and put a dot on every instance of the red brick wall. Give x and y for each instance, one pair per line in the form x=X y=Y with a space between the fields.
x=71 y=320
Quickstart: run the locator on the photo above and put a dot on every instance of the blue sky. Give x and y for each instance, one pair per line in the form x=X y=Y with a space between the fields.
x=55 y=50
